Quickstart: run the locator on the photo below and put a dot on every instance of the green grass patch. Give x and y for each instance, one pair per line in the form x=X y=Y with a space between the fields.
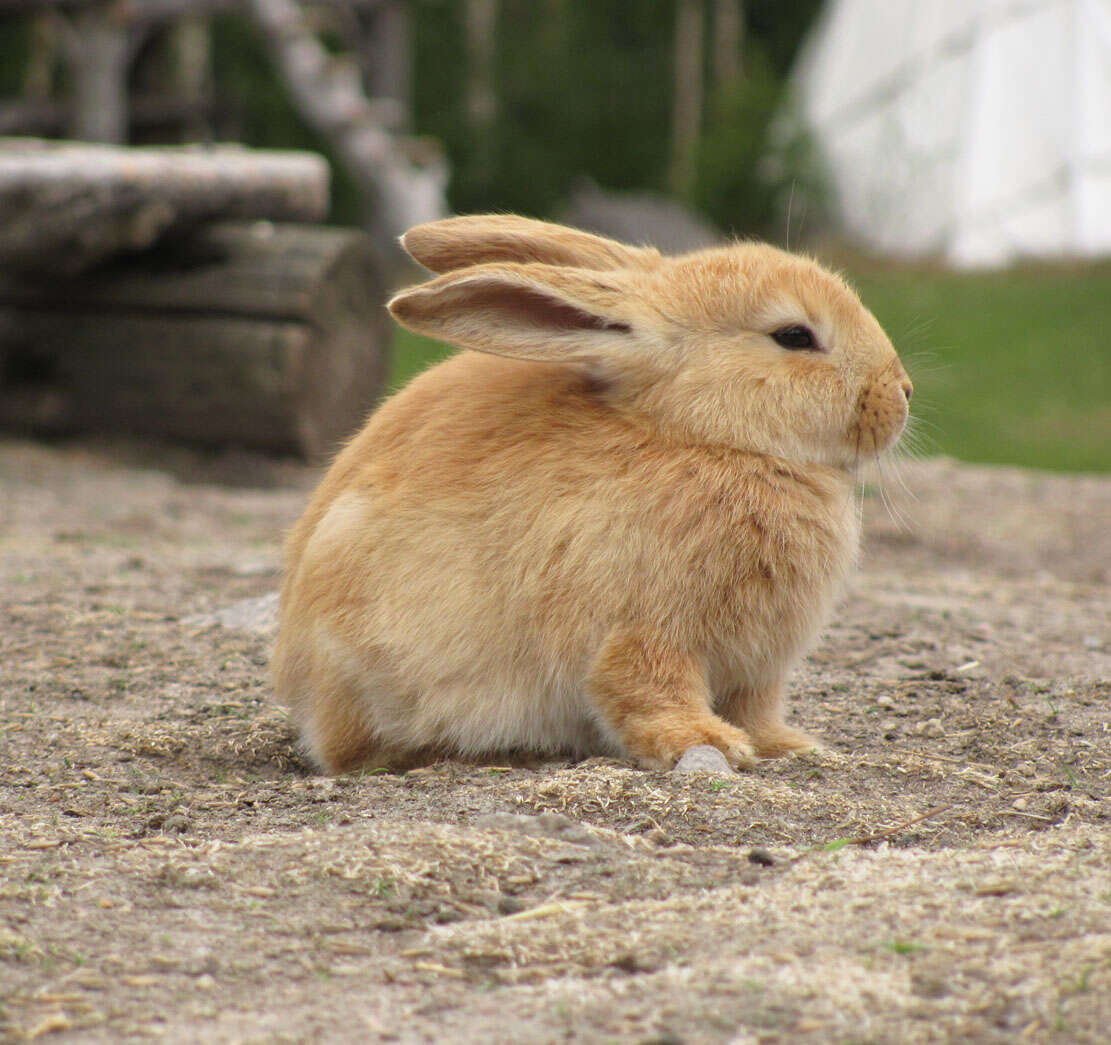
x=904 y=946
x=412 y=354
x=1009 y=367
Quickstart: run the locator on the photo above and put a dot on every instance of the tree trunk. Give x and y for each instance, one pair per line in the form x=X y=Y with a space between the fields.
x=270 y=337
x=43 y=57
x=480 y=101
x=99 y=57
x=190 y=41
x=385 y=55
x=686 y=113
x=728 y=38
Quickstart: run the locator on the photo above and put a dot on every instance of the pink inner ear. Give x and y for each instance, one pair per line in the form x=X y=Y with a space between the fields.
x=534 y=308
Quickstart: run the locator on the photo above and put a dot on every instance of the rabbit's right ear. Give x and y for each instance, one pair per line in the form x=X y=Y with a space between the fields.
x=537 y=312
x=478 y=239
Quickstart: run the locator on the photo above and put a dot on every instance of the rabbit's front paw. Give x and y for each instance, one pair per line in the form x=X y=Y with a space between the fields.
x=671 y=742
x=733 y=743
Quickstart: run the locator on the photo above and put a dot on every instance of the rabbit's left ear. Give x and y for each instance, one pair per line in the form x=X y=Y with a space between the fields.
x=479 y=239
x=527 y=311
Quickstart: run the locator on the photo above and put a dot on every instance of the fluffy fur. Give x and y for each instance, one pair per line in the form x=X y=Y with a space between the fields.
x=613 y=526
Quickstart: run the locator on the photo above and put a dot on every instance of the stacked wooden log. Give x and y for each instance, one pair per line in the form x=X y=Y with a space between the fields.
x=168 y=292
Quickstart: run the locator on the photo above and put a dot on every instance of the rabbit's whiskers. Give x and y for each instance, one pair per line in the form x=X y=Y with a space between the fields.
x=894 y=512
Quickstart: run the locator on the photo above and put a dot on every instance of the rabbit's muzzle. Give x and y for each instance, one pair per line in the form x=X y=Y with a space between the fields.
x=882 y=411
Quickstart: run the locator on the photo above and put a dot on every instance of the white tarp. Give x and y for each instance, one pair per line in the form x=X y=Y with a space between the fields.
x=974 y=130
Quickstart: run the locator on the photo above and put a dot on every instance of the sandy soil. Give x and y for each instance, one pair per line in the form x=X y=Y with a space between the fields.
x=170 y=868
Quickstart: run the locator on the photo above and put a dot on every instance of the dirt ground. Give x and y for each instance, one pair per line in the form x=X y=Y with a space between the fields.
x=170 y=868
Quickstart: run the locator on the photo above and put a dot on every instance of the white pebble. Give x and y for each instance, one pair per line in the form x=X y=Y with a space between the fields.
x=703 y=759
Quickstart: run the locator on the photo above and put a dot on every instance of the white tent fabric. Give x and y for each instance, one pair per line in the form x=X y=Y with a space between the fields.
x=978 y=131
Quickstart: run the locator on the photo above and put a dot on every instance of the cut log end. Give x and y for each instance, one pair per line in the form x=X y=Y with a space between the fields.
x=263 y=336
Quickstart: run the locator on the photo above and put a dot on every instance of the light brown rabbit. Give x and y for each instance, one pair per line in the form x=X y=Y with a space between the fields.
x=612 y=528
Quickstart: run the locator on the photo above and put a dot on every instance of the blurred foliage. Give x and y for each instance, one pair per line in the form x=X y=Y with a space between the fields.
x=756 y=173
x=14 y=39
x=587 y=89
x=581 y=88
x=780 y=28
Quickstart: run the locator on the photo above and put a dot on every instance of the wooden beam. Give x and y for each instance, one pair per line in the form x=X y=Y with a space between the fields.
x=65 y=207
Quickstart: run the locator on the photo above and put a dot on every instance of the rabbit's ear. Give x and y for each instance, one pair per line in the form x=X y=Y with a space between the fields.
x=478 y=239
x=526 y=311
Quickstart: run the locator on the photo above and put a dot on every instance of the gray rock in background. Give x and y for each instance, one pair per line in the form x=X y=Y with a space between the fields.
x=640 y=218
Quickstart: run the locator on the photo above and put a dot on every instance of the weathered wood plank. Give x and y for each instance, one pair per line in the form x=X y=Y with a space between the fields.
x=65 y=207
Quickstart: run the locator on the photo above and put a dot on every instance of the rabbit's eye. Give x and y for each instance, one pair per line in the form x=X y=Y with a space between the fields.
x=794 y=337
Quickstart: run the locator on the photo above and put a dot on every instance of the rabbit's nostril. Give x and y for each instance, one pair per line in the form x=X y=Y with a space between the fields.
x=908 y=389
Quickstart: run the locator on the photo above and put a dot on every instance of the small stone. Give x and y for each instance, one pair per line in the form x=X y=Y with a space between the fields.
x=1020 y=804
x=631 y=962
x=659 y=838
x=889 y=727
x=510 y=905
x=703 y=758
x=322 y=789
x=929 y=983
x=995 y=887
x=932 y=728
x=761 y=857
x=175 y=824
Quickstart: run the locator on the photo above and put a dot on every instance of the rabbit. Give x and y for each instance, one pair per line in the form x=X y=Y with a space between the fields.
x=611 y=525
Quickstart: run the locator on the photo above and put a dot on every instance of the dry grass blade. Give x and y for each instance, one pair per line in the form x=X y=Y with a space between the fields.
x=545 y=910
x=890 y=832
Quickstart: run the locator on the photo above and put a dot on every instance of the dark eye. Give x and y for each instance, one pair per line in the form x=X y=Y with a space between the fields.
x=795 y=338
